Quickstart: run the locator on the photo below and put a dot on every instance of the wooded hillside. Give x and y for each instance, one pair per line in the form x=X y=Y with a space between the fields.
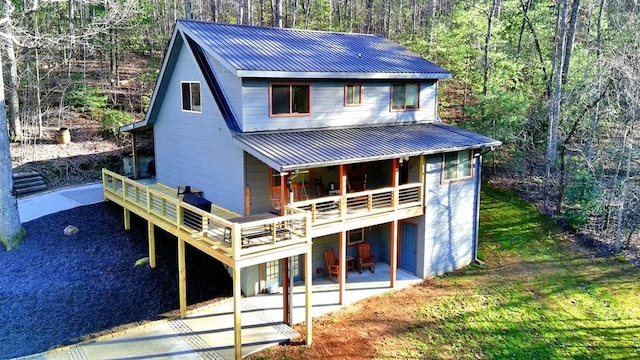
x=557 y=82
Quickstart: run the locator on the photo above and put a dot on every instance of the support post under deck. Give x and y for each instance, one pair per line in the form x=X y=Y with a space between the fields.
x=308 y=289
x=152 y=244
x=237 y=312
x=127 y=219
x=182 y=278
x=393 y=266
x=342 y=258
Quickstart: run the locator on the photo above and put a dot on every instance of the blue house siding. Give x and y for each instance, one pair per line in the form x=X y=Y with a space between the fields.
x=257 y=179
x=448 y=223
x=198 y=150
x=230 y=84
x=327 y=106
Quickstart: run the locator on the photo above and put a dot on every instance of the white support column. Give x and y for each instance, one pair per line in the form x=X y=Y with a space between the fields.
x=308 y=298
x=237 y=312
x=342 y=260
x=393 y=266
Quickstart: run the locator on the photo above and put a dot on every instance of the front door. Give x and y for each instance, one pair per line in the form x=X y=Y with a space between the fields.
x=408 y=239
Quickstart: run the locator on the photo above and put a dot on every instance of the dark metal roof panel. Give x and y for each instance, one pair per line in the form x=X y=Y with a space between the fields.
x=286 y=151
x=269 y=49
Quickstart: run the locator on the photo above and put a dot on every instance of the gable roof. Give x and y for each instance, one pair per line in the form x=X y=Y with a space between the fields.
x=287 y=151
x=253 y=51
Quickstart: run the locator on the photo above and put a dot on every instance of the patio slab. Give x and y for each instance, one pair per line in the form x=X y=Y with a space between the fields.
x=207 y=332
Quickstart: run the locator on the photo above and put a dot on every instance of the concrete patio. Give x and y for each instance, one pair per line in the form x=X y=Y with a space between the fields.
x=207 y=332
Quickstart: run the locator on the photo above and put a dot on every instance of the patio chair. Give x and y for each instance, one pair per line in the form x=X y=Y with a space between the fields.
x=365 y=258
x=332 y=263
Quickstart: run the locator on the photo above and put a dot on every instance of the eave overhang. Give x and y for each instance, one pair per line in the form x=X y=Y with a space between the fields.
x=297 y=150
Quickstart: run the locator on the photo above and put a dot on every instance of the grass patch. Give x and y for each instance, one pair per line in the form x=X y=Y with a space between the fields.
x=537 y=297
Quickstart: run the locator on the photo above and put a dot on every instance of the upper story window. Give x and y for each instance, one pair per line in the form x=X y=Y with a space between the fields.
x=290 y=99
x=352 y=94
x=457 y=166
x=405 y=96
x=191 y=100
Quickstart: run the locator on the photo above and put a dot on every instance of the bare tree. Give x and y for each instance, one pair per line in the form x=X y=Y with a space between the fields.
x=11 y=231
x=15 y=128
x=556 y=93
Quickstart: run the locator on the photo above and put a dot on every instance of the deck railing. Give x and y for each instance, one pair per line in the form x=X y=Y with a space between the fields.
x=227 y=231
x=329 y=209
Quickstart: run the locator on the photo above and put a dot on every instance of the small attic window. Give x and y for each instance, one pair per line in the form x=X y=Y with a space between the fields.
x=191 y=100
x=352 y=94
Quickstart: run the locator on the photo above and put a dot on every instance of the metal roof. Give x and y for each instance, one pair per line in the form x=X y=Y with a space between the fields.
x=277 y=52
x=286 y=151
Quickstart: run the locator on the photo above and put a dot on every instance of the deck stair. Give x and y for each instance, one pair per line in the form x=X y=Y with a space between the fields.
x=28 y=182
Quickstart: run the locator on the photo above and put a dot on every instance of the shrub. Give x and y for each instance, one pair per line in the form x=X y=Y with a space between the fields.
x=112 y=120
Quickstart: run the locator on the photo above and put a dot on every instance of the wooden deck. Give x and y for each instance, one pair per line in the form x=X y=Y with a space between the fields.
x=226 y=235
x=332 y=214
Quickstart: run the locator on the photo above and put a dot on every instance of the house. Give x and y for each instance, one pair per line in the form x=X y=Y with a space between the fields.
x=300 y=142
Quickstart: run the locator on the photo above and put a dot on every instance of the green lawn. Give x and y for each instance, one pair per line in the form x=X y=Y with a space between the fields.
x=536 y=296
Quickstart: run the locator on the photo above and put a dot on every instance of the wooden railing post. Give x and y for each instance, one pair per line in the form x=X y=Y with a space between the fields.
x=179 y=212
x=236 y=240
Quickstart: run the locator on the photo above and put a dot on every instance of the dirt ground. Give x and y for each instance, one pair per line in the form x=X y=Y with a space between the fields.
x=364 y=330
x=77 y=162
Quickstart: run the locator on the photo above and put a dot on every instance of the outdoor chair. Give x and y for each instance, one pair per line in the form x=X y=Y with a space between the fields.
x=332 y=263
x=365 y=258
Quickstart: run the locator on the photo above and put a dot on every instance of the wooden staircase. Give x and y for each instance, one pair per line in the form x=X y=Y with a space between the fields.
x=28 y=182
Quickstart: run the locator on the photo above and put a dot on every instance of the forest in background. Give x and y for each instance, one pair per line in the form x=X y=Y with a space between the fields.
x=556 y=81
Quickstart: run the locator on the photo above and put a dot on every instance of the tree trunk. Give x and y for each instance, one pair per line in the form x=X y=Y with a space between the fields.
x=214 y=10
x=569 y=42
x=277 y=16
x=11 y=231
x=525 y=14
x=187 y=9
x=623 y=197
x=369 y=16
x=595 y=115
x=487 y=42
x=556 y=95
x=15 y=128
x=430 y=21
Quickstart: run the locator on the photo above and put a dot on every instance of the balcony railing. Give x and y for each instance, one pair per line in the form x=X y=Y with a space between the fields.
x=330 y=209
x=225 y=230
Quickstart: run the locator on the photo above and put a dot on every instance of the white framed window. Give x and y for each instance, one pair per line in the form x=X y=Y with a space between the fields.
x=352 y=94
x=191 y=96
x=289 y=99
x=457 y=166
x=405 y=96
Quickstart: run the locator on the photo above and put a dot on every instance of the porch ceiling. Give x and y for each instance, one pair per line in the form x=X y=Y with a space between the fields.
x=292 y=150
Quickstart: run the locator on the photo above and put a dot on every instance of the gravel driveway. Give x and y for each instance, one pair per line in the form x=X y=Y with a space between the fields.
x=56 y=290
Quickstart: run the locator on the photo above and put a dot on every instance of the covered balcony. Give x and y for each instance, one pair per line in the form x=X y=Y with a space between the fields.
x=351 y=199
